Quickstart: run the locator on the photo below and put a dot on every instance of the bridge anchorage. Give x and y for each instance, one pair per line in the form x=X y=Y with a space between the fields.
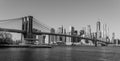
x=29 y=33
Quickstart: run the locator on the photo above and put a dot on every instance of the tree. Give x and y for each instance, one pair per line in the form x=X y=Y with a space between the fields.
x=5 y=38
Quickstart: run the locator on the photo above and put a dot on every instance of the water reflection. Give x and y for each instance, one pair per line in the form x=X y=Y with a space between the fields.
x=110 y=54
x=68 y=54
x=35 y=54
x=21 y=54
x=60 y=54
x=103 y=55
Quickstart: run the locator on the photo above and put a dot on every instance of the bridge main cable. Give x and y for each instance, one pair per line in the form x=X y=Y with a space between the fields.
x=11 y=19
x=12 y=30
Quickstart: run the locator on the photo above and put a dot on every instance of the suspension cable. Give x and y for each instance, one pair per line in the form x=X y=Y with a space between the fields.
x=39 y=26
x=41 y=23
x=11 y=19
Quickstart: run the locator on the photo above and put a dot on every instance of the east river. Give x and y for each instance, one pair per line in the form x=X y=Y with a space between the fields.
x=61 y=54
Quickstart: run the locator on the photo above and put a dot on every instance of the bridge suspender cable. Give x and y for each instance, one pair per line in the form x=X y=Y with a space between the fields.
x=41 y=23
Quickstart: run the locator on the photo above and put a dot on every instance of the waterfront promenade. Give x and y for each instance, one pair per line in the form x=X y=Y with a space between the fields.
x=60 y=53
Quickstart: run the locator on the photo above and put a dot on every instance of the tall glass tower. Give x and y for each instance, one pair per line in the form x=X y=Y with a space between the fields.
x=88 y=31
x=72 y=29
x=98 y=29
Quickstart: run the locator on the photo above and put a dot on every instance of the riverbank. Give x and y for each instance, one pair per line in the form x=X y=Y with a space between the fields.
x=25 y=46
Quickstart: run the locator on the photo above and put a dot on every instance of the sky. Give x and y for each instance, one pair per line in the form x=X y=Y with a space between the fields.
x=77 y=13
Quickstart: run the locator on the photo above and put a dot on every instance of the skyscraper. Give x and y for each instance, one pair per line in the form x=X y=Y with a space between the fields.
x=65 y=34
x=89 y=31
x=68 y=39
x=98 y=26
x=75 y=39
x=60 y=31
x=98 y=29
x=105 y=32
x=84 y=29
x=52 y=37
x=72 y=30
x=113 y=37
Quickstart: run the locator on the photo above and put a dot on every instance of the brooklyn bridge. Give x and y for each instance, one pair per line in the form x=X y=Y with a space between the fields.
x=29 y=27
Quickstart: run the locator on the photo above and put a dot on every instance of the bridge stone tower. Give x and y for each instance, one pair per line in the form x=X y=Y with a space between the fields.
x=27 y=26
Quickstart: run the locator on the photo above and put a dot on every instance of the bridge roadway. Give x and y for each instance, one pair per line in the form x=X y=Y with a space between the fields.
x=46 y=33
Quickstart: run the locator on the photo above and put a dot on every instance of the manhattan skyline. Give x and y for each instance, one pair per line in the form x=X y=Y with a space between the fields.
x=77 y=13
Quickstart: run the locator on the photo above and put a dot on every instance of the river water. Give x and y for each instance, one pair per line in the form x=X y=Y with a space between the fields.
x=61 y=54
